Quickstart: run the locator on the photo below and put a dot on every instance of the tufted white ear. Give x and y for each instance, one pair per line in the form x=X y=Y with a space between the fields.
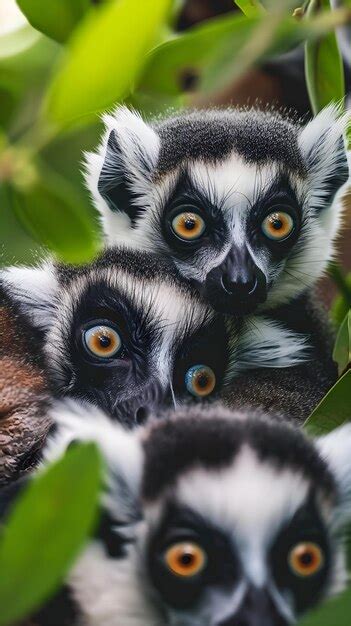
x=335 y=448
x=118 y=174
x=121 y=451
x=33 y=290
x=322 y=146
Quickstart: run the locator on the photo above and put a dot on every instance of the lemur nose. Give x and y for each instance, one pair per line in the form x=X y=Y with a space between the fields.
x=240 y=287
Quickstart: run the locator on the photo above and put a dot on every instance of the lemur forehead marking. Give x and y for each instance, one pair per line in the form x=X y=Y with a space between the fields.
x=254 y=502
x=179 y=445
x=212 y=135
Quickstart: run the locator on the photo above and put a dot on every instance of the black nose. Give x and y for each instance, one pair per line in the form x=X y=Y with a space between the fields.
x=238 y=285
x=242 y=287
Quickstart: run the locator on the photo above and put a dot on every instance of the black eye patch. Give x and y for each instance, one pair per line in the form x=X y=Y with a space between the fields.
x=187 y=198
x=100 y=304
x=207 y=347
x=306 y=528
x=280 y=198
x=180 y=524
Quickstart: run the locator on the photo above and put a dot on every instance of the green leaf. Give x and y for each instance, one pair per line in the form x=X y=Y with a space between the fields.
x=104 y=59
x=323 y=66
x=209 y=56
x=53 y=213
x=173 y=64
x=341 y=304
x=333 y=410
x=54 y=18
x=45 y=531
x=342 y=348
x=250 y=8
x=336 y=612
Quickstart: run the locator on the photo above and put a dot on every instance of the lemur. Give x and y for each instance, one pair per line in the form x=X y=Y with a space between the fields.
x=24 y=423
x=127 y=333
x=246 y=203
x=209 y=517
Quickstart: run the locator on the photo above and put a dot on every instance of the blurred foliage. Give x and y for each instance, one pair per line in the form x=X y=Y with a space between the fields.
x=45 y=531
x=342 y=303
x=336 y=612
x=324 y=66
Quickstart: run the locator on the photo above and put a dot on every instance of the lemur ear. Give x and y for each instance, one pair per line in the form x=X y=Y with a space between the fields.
x=121 y=451
x=118 y=175
x=322 y=145
x=33 y=290
x=335 y=448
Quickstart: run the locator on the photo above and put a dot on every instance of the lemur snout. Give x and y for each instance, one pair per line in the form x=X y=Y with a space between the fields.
x=236 y=286
x=257 y=609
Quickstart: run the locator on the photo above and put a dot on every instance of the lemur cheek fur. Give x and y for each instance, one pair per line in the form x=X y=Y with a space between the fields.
x=265 y=188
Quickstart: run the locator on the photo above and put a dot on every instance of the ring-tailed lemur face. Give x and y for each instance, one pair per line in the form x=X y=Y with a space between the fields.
x=124 y=332
x=211 y=519
x=246 y=203
x=127 y=333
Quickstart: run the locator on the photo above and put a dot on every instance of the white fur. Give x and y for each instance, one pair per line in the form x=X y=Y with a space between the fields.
x=335 y=448
x=110 y=591
x=121 y=451
x=135 y=137
x=34 y=288
x=265 y=343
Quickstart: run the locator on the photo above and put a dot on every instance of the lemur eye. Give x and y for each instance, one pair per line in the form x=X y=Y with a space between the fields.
x=278 y=225
x=188 y=225
x=102 y=341
x=306 y=559
x=185 y=559
x=200 y=380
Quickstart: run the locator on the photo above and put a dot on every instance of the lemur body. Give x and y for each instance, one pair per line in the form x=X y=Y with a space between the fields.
x=127 y=333
x=209 y=518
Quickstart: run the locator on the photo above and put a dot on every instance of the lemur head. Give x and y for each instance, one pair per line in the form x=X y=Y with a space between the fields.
x=122 y=332
x=245 y=202
x=212 y=518
x=128 y=334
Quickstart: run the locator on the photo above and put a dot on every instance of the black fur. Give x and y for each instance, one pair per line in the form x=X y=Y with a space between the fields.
x=213 y=442
x=114 y=185
x=295 y=391
x=60 y=610
x=211 y=135
x=142 y=265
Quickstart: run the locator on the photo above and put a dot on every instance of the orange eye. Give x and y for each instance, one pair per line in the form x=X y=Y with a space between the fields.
x=200 y=380
x=185 y=559
x=102 y=341
x=188 y=226
x=278 y=226
x=306 y=559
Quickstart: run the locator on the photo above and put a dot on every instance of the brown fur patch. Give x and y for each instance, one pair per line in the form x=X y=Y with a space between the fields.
x=23 y=393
